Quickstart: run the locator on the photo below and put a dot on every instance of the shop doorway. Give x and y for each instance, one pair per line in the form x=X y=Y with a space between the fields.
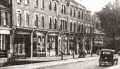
x=52 y=45
x=22 y=46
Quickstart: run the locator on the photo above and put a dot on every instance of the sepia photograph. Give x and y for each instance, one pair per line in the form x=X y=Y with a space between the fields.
x=59 y=34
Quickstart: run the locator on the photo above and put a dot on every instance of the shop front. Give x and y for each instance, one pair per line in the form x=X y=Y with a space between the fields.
x=22 y=43
x=79 y=44
x=71 y=44
x=64 y=44
x=52 y=48
x=4 y=42
x=39 y=48
x=4 y=45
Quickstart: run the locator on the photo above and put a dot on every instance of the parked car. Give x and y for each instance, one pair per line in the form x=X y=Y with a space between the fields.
x=108 y=56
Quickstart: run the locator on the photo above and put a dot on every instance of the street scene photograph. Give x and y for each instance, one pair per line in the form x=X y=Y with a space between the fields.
x=59 y=34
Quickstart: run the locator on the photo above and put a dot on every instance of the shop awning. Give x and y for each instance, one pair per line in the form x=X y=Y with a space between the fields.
x=4 y=31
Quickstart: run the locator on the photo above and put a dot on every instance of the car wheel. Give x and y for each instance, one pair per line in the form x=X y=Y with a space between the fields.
x=116 y=62
x=112 y=63
x=100 y=64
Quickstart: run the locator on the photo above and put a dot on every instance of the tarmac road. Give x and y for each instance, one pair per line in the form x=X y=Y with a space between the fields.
x=91 y=64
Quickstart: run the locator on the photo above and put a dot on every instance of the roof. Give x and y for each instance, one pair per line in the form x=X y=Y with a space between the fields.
x=109 y=50
x=73 y=2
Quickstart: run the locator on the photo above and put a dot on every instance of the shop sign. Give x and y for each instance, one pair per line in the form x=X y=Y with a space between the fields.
x=4 y=32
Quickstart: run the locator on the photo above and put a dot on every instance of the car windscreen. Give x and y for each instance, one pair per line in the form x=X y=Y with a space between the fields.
x=109 y=55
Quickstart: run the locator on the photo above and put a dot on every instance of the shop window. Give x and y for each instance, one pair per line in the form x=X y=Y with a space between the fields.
x=19 y=47
x=41 y=45
x=2 y=42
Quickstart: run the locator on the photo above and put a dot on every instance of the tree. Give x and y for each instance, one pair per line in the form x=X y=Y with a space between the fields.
x=110 y=22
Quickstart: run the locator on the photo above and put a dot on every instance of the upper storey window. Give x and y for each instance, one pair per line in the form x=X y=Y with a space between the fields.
x=43 y=21
x=26 y=2
x=36 y=3
x=19 y=1
x=63 y=9
x=27 y=18
x=71 y=11
x=19 y=17
x=50 y=5
x=55 y=7
x=3 y=18
x=42 y=4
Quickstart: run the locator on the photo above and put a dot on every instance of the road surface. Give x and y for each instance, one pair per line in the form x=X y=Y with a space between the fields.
x=91 y=64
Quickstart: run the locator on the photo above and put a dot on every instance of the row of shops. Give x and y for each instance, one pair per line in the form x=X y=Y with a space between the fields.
x=29 y=43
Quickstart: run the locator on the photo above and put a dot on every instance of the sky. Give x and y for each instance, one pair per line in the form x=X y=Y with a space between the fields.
x=94 y=5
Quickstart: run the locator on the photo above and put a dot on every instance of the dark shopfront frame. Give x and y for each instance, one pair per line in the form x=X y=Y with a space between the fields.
x=22 y=43
x=4 y=43
x=39 y=44
x=72 y=43
x=52 y=48
x=64 y=37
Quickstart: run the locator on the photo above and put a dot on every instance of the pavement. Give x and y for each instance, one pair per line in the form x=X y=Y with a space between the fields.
x=51 y=63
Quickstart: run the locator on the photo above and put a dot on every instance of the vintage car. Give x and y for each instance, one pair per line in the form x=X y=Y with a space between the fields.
x=108 y=56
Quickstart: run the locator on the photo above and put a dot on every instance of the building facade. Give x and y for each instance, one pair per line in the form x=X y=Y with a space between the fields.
x=40 y=28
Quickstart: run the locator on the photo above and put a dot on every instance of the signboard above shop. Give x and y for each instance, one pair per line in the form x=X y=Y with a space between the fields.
x=4 y=32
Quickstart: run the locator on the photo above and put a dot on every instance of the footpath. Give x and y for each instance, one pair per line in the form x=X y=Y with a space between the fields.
x=49 y=62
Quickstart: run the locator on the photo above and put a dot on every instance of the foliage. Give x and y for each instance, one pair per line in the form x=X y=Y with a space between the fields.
x=110 y=22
